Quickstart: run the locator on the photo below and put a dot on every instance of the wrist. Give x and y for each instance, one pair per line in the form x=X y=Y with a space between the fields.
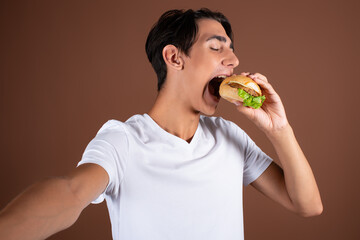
x=279 y=133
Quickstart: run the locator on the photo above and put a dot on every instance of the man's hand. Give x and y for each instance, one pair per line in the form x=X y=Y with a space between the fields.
x=271 y=116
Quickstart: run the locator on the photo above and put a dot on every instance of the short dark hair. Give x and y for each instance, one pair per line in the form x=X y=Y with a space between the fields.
x=179 y=28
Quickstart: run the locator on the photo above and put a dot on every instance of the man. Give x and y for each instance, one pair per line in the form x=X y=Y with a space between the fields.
x=174 y=173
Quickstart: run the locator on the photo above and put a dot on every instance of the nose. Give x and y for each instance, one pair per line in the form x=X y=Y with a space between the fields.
x=230 y=60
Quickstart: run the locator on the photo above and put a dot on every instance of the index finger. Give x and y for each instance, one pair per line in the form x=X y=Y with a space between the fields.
x=258 y=76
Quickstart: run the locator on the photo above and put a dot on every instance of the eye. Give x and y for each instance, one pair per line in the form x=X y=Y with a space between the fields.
x=214 y=48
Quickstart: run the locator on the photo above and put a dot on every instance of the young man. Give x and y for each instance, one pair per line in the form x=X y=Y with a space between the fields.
x=174 y=173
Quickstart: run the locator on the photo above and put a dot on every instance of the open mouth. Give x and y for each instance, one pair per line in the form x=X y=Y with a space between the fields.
x=214 y=85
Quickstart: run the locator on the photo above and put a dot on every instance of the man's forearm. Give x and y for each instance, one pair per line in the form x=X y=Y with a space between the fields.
x=42 y=210
x=299 y=179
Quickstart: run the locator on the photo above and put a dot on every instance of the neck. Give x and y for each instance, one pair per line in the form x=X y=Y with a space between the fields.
x=174 y=117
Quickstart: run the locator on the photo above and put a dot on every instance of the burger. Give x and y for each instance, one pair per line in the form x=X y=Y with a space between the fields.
x=243 y=89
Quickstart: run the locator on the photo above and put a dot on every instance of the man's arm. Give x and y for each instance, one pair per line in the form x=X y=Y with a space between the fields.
x=52 y=205
x=293 y=184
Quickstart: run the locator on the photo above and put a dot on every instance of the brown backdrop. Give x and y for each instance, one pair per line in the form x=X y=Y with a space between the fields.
x=69 y=66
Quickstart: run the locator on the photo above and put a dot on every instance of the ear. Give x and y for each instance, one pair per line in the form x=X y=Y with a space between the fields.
x=172 y=57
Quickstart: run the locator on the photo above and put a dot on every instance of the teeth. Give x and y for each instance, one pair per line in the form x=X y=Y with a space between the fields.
x=221 y=76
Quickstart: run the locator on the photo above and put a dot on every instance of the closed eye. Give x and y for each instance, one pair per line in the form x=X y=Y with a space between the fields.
x=214 y=49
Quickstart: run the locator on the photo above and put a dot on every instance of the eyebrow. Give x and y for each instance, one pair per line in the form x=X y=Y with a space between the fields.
x=221 y=39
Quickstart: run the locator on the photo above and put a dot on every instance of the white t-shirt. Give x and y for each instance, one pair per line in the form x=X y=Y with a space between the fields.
x=162 y=187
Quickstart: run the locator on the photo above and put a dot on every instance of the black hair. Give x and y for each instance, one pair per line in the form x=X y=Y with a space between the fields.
x=179 y=28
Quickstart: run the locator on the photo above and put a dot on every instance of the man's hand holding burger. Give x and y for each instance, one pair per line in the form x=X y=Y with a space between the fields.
x=255 y=98
x=271 y=115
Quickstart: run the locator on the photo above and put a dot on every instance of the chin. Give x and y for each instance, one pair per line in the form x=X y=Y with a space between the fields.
x=209 y=111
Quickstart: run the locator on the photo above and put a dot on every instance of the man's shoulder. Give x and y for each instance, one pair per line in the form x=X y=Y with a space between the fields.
x=136 y=126
x=116 y=126
x=111 y=126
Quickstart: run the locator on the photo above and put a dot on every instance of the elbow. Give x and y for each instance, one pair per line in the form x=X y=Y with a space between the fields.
x=313 y=211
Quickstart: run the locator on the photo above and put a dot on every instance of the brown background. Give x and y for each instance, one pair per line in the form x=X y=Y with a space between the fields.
x=68 y=66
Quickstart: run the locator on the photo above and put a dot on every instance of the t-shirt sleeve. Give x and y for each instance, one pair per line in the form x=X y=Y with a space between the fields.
x=108 y=150
x=255 y=161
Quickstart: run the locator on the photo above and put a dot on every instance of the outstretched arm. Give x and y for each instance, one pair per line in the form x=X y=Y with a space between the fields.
x=52 y=205
x=291 y=183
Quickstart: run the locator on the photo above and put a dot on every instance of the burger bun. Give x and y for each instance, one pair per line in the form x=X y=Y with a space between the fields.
x=229 y=87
